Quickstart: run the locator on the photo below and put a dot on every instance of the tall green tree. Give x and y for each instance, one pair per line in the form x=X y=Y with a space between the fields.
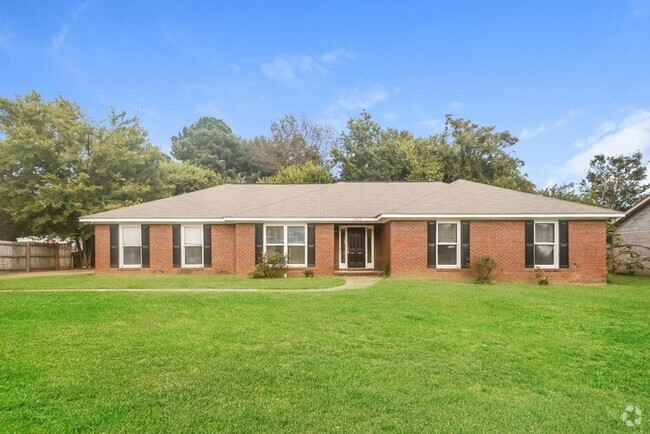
x=366 y=152
x=56 y=166
x=293 y=141
x=306 y=173
x=479 y=153
x=211 y=143
x=616 y=182
x=567 y=191
x=186 y=177
x=464 y=150
x=8 y=229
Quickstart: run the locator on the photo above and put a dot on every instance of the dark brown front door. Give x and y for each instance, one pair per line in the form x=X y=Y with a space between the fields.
x=356 y=247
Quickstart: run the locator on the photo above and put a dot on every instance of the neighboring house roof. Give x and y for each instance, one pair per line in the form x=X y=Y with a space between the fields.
x=635 y=209
x=350 y=201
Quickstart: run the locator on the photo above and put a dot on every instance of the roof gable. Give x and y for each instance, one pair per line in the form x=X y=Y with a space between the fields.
x=642 y=204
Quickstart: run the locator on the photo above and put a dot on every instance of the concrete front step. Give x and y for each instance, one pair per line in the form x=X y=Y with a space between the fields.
x=360 y=272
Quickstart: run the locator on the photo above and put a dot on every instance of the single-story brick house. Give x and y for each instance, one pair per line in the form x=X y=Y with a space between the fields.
x=634 y=228
x=403 y=228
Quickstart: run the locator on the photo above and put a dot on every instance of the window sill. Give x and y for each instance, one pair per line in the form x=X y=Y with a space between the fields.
x=447 y=269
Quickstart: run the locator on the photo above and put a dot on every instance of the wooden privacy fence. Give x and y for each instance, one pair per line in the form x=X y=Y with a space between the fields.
x=16 y=256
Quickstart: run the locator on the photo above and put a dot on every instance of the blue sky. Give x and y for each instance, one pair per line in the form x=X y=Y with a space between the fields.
x=570 y=78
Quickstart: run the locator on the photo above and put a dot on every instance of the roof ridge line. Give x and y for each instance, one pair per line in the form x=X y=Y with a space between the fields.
x=415 y=199
x=320 y=186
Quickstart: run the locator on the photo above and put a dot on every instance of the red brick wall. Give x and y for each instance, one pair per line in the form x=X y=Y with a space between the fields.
x=244 y=248
x=503 y=240
x=223 y=246
x=400 y=248
x=325 y=249
x=102 y=248
x=161 y=253
x=233 y=250
x=382 y=247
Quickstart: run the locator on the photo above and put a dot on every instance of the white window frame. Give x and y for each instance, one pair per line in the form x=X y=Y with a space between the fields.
x=285 y=244
x=183 y=265
x=121 y=245
x=555 y=244
x=370 y=260
x=457 y=243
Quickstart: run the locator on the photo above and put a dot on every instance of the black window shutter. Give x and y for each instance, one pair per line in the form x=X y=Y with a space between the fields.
x=176 y=245
x=431 y=242
x=144 y=230
x=259 y=242
x=530 y=244
x=564 y=244
x=464 y=243
x=311 y=245
x=115 y=246
x=207 y=245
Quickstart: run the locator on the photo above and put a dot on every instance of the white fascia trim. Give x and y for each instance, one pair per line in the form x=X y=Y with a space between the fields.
x=149 y=220
x=234 y=220
x=380 y=218
x=301 y=219
x=497 y=216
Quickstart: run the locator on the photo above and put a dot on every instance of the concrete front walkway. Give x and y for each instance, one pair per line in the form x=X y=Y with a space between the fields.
x=352 y=282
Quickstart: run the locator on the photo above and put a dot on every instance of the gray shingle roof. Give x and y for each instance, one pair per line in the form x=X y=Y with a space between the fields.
x=351 y=200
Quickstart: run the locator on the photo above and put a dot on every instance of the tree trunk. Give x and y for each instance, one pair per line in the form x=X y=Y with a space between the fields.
x=77 y=243
x=82 y=248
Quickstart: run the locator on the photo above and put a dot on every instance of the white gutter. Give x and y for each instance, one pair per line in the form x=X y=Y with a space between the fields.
x=497 y=216
x=301 y=219
x=381 y=218
x=150 y=220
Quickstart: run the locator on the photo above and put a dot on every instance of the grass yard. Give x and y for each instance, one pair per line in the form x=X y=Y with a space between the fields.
x=403 y=355
x=92 y=281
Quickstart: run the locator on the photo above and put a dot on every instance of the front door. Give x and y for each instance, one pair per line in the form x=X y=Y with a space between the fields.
x=356 y=247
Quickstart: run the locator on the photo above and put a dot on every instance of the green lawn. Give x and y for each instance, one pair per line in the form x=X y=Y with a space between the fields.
x=404 y=355
x=92 y=281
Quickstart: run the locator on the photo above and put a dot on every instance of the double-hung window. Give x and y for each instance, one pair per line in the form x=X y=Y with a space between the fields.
x=448 y=245
x=546 y=250
x=192 y=246
x=289 y=240
x=131 y=249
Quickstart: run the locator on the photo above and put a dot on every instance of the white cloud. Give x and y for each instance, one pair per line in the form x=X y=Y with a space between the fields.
x=606 y=127
x=5 y=41
x=209 y=108
x=58 y=40
x=531 y=133
x=430 y=124
x=361 y=99
x=336 y=56
x=349 y=102
x=640 y=9
x=456 y=106
x=181 y=41
x=629 y=135
x=194 y=87
x=294 y=70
